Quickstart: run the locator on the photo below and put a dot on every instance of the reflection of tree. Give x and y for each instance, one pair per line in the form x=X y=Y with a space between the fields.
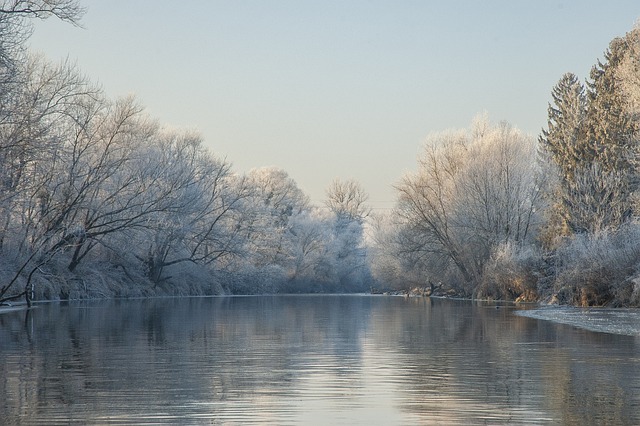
x=596 y=389
x=113 y=360
x=470 y=363
x=447 y=361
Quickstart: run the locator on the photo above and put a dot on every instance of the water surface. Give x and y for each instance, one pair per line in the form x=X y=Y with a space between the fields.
x=309 y=360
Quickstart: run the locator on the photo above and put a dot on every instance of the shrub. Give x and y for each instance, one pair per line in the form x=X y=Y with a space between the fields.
x=511 y=273
x=599 y=269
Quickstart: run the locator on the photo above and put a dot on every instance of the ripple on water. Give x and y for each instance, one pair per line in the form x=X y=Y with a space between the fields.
x=310 y=360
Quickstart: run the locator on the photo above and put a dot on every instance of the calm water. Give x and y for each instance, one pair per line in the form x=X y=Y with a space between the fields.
x=309 y=360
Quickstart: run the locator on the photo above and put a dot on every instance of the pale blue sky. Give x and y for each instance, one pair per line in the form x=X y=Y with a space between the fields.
x=327 y=89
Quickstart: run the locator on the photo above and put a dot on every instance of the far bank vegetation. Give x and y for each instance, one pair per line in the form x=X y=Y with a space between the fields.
x=98 y=199
x=492 y=213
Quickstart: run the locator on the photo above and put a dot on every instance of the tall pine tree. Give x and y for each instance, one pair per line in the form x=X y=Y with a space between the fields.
x=611 y=126
x=592 y=139
x=565 y=144
x=564 y=140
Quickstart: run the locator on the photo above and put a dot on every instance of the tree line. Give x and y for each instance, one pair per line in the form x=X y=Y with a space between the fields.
x=493 y=213
x=97 y=199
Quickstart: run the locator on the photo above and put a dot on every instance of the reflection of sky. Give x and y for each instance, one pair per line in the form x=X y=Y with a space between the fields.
x=362 y=396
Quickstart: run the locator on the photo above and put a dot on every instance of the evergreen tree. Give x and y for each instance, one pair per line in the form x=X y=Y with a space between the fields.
x=611 y=126
x=565 y=140
x=566 y=145
x=592 y=141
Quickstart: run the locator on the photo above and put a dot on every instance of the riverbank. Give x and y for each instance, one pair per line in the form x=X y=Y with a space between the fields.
x=5 y=308
x=416 y=291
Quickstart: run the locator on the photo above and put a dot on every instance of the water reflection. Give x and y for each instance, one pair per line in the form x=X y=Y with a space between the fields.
x=309 y=360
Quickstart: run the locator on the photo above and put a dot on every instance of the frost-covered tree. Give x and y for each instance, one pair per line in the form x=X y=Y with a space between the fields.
x=388 y=268
x=15 y=26
x=16 y=109
x=499 y=186
x=427 y=204
x=597 y=199
x=32 y=142
x=97 y=192
x=565 y=136
x=83 y=176
x=611 y=125
x=628 y=73
x=347 y=202
x=348 y=199
x=474 y=191
x=189 y=211
x=311 y=236
x=595 y=133
x=275 y=199
x=564 y=142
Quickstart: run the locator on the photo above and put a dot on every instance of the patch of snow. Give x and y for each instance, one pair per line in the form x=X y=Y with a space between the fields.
x=614 y=321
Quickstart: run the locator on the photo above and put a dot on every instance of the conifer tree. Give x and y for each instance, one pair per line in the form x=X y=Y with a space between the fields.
x=565 y=144
x=611 y=126
x=592 y=140
x=565 y=140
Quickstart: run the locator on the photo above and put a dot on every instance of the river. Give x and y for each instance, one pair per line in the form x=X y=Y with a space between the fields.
x=326 y=360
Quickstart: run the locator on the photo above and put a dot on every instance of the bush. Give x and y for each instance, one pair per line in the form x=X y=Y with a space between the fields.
x=511 y=273
x=599 y=269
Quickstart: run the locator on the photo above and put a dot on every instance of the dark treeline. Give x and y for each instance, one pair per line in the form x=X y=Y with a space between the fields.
x=97 y=199
x=493 y=213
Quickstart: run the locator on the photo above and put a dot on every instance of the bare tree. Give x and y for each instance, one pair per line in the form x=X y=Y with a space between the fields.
x=347 y=202
x=275 y=200
x=473 y=191
x=31 y=137
x=66 y=10
x=42 y=116
x=347 y=198
x=15 y=27
x=310 y=235
x=428 y=205
x=198 y=209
